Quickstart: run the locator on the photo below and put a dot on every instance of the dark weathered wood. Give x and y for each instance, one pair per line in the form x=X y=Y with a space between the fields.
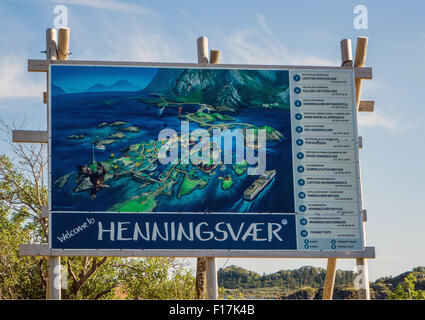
x=366 y=106
x=201 y=278
x=215 y=56
x=364 y=215
x=30 y=136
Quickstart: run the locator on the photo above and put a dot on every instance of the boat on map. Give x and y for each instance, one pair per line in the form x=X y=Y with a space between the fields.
x=141 y=177
x=258 y=185
x=100 y=147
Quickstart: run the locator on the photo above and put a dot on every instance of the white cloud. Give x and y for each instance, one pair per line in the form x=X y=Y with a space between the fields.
x=15 y=81
x=110 y=5
x=146 y=47
x=377 y=119
x=260 y=46
x=369 y=88
x=143 y=44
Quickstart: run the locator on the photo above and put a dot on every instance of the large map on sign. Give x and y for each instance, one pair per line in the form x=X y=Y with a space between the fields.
x=106 y=140
x=136 y=142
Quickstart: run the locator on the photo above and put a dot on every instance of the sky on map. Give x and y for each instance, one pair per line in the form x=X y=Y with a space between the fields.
x=260 y=32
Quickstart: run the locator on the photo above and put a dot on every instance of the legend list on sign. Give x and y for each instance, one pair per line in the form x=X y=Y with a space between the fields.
x=325 y=160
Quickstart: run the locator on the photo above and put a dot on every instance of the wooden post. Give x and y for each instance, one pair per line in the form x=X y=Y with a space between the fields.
x=201 y=275
x=346 y=54
x=361 y=263
x=330 y=279
x=206 y=267
x=63 y=46
x=362 y=269
x=54 y=276
x=211 y=265
x=214 y=56
x=51 y=44
x=346 y=62
x=211 y=268
x=202 y=46
x=201 y=263
x=55 y=281
x=359 y=61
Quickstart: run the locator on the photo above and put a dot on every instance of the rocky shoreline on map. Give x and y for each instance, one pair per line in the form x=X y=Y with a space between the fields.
x=111 y=138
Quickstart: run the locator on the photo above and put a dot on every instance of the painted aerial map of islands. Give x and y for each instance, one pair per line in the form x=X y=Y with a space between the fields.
x=105 y=147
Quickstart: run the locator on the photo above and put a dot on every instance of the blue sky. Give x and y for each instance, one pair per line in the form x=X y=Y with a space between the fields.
x=67 y=79
x=262 y=32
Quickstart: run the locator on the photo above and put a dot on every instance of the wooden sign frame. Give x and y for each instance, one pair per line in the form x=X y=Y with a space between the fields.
x=26 y=136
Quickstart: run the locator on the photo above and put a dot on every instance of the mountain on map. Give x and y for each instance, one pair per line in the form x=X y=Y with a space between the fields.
x=120 y=85
x=56 y=90
x=232 y=88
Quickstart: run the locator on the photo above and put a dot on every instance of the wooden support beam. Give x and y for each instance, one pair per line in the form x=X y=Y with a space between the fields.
x=201 y=263
x=359 y=61
x=366 y=106
x=211 y=265
x=43 y=250
x=215 y=56
x=55 y=278
x=346 y=62
x=35 y=65
x=202 y=46
x=63 y=45
x=363 y=73
x=363 y=277
x=330 y=279
x=361 y=50
x=212 y=285
x=44 y=212
x=364 y=215
x=51 y=44
x=201 y=278
x=30 y=136
x=206 y=271
x=361 y=263
x=346 y=53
